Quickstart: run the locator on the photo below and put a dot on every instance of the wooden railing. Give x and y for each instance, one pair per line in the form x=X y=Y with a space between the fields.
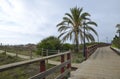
x=65 y=66
x=91 y=49
x=46 y=52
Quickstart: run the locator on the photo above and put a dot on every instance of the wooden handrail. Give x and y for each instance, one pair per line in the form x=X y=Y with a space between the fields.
x=43 y=72
x=18 y=64
x=49 y=71
x=91 y=49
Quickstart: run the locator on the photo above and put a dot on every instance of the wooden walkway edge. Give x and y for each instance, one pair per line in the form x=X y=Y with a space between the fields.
x=104 y=63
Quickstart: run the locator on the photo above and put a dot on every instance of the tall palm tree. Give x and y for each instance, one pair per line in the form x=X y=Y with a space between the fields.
x=72 y=26
x=118 y=31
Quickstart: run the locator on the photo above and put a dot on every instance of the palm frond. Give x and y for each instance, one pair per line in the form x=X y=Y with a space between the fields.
x=91 y=23
x=61 y=23
x=84 y=15
x=89 y=37
x=61 y=34
x=63 y=28
x=69 y=15
x=118 y=31
x=68 y=20
x=118 y=25
x=91 y=29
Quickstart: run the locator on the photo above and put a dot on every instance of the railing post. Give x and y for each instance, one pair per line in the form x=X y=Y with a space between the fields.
x=69 y=65
x=16 y=54
x=58 y=51
x=47 y=59
x=30 y=54
x=86 y=53
x=5 y=49
x=42 y=66
x=42 y=52
x=62 y=60
x=47 y=52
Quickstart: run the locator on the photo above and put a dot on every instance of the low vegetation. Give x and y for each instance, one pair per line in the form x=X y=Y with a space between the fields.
x=6 y=59
x=77 y=57
x=20 y=49
x=23 y=72
x=116 y=42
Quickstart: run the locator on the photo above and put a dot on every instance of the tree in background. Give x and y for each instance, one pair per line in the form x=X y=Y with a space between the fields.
x=50 y=43
x=72 y=27
x=118 y=31
x=66 y=46
x=116 y=39
x=116 y=42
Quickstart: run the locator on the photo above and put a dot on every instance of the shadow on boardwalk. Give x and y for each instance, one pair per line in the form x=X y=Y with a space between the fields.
x=103 y=64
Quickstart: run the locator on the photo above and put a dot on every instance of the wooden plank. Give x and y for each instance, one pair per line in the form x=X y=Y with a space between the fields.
x=49 y=71
x=18 y=64
x=63 y=74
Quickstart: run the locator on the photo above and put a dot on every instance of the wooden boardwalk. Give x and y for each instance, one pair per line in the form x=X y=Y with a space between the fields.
x=103 y=64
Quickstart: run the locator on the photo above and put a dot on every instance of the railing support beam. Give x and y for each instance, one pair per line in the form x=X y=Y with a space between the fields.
x=62 y=60
x=69 y=65
x=42 y=66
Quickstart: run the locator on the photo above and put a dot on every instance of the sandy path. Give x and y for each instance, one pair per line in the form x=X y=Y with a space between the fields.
x=103 y=64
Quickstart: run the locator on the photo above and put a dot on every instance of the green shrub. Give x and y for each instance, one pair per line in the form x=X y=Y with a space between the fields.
x=49 y=43
x=116 y=42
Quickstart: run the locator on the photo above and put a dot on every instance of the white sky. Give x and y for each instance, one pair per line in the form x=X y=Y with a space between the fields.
x=29 y=21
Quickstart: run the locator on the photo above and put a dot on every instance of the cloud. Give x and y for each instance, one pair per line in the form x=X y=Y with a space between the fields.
x=19 y=20
x=33 y=20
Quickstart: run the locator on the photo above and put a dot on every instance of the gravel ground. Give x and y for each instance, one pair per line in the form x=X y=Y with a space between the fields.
x=103 y=64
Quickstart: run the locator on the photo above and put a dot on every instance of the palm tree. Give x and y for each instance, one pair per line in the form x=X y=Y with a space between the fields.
x=72 y=26
x=118 y=31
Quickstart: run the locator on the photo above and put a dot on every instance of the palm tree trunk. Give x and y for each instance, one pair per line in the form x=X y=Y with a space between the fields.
x=77 y=42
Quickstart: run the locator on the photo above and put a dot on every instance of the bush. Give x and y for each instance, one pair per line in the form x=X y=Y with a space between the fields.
x=116 y=42
x=50 y=43
x=66 y=46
